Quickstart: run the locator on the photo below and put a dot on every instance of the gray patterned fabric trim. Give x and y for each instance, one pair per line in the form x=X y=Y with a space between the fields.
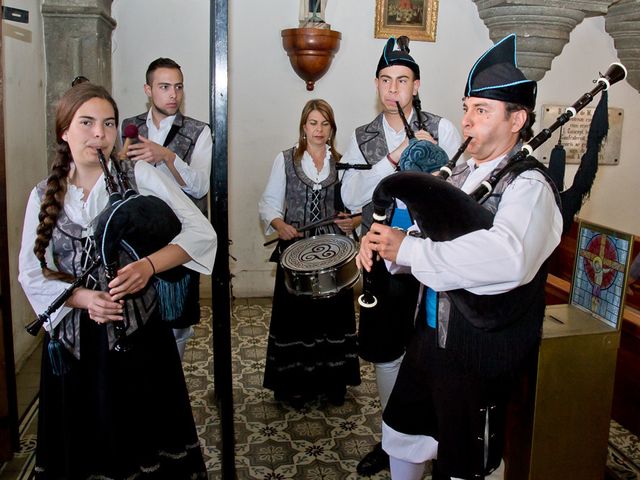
x=73 y=247
x=304 y=202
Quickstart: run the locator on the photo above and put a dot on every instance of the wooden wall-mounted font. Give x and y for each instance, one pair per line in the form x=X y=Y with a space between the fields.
x=311 y=51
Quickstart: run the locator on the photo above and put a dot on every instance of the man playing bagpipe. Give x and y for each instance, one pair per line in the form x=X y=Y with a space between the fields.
x=480 y=320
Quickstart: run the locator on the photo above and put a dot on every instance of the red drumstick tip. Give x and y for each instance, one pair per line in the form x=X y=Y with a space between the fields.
x=131 y=131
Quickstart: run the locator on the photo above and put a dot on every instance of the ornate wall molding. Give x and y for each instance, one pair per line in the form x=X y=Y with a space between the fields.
x=543 y=28
x=542 y=31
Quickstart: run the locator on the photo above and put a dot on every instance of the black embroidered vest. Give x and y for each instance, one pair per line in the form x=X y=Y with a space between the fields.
x=492 y=334
x=72 y=247
x=306 y=201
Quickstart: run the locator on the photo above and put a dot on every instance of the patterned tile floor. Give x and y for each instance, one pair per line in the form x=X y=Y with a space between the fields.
x=623 y=460
x=275 y=441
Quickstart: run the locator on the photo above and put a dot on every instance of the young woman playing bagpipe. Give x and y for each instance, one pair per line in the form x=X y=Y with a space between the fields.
x=113 y=399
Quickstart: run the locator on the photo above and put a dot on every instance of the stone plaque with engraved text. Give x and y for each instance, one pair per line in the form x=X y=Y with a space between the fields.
x=574 y=135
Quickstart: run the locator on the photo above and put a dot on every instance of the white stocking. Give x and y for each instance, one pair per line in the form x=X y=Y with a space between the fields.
x=403 y=470
x=386 y=374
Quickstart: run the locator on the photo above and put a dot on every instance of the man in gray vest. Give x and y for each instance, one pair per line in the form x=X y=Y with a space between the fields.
x=484 y=324
x=384 y=332
x=178 y=146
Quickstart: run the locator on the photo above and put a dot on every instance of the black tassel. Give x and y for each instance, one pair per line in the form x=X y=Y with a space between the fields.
x=172 y=296
x=56 y=357
x=557 y=164
x=574 y=196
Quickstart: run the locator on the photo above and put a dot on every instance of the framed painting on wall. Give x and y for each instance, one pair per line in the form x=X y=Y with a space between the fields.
x=417 y=19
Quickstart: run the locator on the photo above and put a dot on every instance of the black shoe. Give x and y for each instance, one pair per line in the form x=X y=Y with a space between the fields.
x=373 y=462
x=336 y=397
x=297 y=401
x=436 y=474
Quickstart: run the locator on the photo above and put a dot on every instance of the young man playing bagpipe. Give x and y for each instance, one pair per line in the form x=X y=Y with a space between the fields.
x=384 y=330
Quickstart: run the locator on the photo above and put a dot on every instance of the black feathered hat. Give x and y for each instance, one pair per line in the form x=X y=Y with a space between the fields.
x=496 y=75
x=396 y=52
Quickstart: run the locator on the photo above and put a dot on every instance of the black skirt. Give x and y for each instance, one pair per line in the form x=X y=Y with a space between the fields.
x=435 y=395
x=118 y=415
x=312 y=347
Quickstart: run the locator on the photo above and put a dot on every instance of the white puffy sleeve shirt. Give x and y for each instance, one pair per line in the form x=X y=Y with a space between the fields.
x=525 y=231
x=197 y=236
x=272 y=202
x=196 y=175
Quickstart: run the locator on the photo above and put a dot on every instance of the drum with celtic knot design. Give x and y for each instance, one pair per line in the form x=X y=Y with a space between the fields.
x=320 y=266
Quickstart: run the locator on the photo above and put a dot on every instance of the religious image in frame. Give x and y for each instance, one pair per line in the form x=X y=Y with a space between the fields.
x=417 y=19
x=600 y=272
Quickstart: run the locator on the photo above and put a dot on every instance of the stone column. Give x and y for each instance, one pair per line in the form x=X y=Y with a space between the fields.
x=542 y=27
x=77 y=37
x=622 y=22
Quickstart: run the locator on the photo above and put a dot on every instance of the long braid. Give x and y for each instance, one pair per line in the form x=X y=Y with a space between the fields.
x=56 y=189
x=50 y=208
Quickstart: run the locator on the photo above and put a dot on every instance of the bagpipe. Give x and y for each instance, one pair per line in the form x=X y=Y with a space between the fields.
x=384 y=295
x=420 y=155
x=443 y=212
x=131 y=227
x=446 y=170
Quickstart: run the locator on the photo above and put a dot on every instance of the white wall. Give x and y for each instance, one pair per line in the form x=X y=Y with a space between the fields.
x=148 y=29
x=266 y=96
x=614 y=198
x=25 y=146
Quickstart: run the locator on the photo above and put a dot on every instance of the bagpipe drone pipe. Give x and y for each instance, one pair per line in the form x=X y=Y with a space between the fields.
x=443 y=212
x=131 y=227
x=384 y=294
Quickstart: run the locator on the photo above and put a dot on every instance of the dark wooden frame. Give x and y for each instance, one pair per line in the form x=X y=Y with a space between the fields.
x=9 y=437
x=220 y=281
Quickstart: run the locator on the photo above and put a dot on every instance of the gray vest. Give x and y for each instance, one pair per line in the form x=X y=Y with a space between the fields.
x=72 y=248
x=304 y=201
x=187 y=130
x=461 y=172
x=373 y=146
x=498 y=350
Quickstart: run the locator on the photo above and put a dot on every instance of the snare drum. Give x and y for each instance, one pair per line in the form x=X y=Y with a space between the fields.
x=320 y=266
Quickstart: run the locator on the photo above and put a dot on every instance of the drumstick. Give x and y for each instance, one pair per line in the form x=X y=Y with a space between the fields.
x=318 y=223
